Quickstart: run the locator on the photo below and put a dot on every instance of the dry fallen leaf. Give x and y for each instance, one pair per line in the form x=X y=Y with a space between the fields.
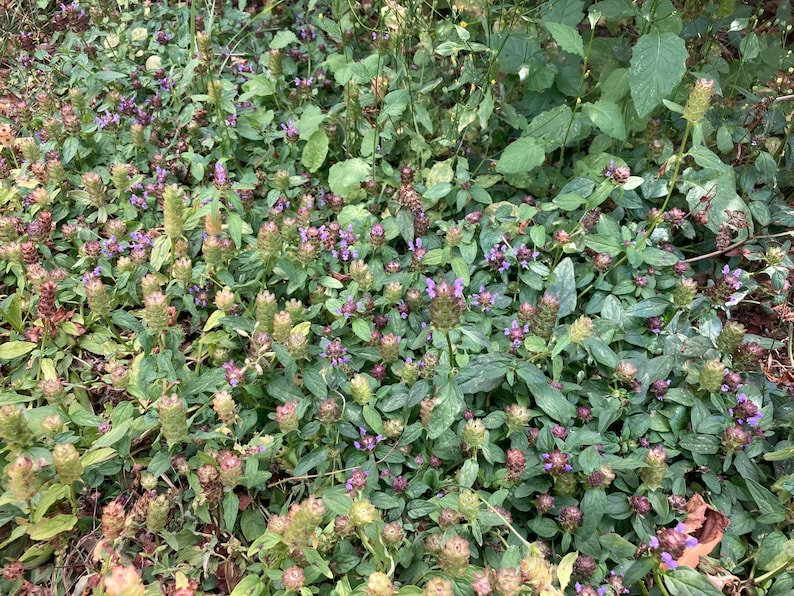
x=707 y=525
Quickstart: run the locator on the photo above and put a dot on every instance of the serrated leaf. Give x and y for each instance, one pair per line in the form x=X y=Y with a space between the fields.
x=15 y=349
x=566 y=37
x=521 y=156
x=658 y=63
x=315 y=151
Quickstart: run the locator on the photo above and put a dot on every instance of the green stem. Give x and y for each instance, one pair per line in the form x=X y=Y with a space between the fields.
x=658 y=577
x=578 y=96
x=451 y=355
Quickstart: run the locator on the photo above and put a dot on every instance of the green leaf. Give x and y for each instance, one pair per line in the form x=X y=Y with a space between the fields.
x=564 y=286
x=231 y=506
x=310 y=121
x=700 y=444
x=468 y=473
x=161 y=252
x=394 y=105
x=566 y=37
x=315 y=383
x=521 y=156
x=311 y=461
x=449 y=404
x=617 y=546
x=780 y=454
x=346 y=176
x=361 y=329
x=565 y=569
x=315 y=151
x=658 y=63
x=52 y=526
x=461 y=269
x=656 y=257
x=337 y=502
x=484 y=373
x=552 y=402
x=685 y=581
x=15 y=349
x=282 y=39
x=235 y=226
x=11 y=309
x=250 y=585
x=608 y=117
x=769 y=505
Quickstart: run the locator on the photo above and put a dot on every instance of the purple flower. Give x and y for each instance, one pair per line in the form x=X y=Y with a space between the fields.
x=335 y=352
x=291 y=133
x=667 y=559
x=108 y=120
x=485 y=300
x=653 y=542
x=234 y=374
x=431 y=288
x=367 y=442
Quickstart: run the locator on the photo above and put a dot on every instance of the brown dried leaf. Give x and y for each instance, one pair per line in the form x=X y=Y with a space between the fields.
x=707 y=525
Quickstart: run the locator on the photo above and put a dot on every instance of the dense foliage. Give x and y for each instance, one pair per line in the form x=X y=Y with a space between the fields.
x=336 y=298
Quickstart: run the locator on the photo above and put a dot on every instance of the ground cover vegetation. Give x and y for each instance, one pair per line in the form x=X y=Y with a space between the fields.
x=408 y=298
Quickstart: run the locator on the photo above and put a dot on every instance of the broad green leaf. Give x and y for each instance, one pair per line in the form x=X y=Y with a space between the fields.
x=565 y=569
x=608 y=117
x=346 y=176
x=685 y=581
x=394 y=105
x=658 y=63
x=617 y=546
x=52 y=526
x=521 y=156
x=97 y=456
x=310 y=121
x=315 y=151
x=282 y=39
x=161 y=252
x=311 y=461
x=15 y=349
x=53 y=494
x=231 y=506
x=484 y=373
x=564 y=286
x=769 y=505
x=250 y=585
x=11 y=310
x=468 y=473
x=552 y=402
x=566 y=37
